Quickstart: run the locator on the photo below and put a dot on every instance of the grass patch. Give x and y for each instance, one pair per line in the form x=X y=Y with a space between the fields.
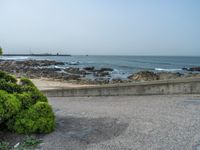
x=4 y=145
x=28 y=143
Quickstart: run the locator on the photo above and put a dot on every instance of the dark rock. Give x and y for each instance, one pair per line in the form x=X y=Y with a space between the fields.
x=72 y=70
x=57 y=69
x=75 y=71
x=89 y=68
x=102 y=80
x=117 y=81
x=193 y=69
x=105 y=69
x=185 y=69
x=101 y=74
x=71 y=77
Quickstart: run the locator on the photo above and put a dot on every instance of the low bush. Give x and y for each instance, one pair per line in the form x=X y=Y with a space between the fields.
x=38 y=118
x=26 y=82
x=36 y=95
x=10 y=87
x=9 y=105
x=7 y=77
x=26 y=100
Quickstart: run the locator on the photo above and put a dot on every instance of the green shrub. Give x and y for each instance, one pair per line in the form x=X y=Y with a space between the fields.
x=36 y=95
x=26 y=82
x=9 y=105
x=23 y=108
x=26 y=100
x=7 y=77
x=30 y=96
x=39 y=118
x=10 y=87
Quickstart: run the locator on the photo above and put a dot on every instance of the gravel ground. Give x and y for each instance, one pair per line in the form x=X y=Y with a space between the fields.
x=125 y=123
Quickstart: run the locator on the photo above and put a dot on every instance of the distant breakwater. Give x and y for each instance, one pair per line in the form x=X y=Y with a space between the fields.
x=36 y=55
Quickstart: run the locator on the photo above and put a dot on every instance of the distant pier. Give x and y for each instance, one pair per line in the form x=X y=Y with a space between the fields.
x=36 y=55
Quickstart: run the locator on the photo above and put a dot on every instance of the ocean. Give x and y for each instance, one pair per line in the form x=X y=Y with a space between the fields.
x=123 y=65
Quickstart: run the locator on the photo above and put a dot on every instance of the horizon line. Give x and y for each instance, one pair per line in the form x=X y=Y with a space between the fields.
x=61 y=54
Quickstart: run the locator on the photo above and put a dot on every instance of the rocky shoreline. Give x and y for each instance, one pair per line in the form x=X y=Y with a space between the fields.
x=87 y=75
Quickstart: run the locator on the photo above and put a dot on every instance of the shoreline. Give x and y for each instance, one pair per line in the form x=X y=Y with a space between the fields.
x=50 y=84
x=77 y=76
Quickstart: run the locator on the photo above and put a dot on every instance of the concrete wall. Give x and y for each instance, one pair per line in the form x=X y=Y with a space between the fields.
x=183 y=86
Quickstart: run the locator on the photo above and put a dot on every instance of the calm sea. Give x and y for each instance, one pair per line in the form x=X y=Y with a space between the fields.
x=124 y=65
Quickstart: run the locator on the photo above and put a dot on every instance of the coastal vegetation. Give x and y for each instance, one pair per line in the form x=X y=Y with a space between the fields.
x=23 y=108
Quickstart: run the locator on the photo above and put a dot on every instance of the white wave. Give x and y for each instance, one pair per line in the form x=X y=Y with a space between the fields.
x=115 y=71
x=74 y=63
x=60 y=67
x=14 y=57
x=170 y=70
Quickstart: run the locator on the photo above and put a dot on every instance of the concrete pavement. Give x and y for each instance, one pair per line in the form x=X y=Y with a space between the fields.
x=125 y=123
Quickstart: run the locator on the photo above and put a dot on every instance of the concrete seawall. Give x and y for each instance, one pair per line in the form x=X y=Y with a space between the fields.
x=179 y=86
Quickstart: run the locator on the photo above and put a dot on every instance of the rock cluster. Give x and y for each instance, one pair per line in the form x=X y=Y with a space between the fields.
x=29 y=63
x=47 y=69
x=192 y=69
x=149 y=76
x=144 y=76
x=103 y=72
x=36 y=69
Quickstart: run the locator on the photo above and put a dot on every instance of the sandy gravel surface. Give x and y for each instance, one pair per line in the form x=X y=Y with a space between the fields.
x=125 y=123
x=46 y=84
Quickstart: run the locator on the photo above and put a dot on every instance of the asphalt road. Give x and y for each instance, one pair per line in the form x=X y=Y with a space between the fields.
x=125 y=123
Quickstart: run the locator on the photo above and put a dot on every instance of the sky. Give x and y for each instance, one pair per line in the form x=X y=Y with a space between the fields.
x=101 y=27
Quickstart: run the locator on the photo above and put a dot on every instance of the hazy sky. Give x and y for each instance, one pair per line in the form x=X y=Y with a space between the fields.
x=113 y=27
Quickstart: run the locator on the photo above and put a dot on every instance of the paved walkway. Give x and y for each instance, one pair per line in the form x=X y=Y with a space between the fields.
x=125 y=123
